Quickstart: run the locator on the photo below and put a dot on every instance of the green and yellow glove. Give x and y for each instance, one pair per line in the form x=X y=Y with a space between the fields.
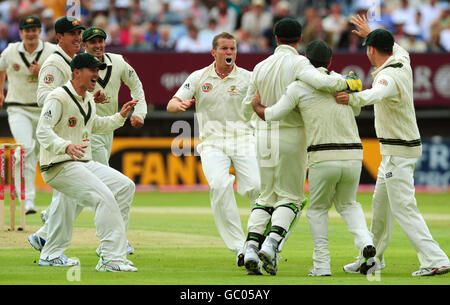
x=354 y=84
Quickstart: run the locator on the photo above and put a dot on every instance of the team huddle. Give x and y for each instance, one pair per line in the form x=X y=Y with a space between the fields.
x=288 y=115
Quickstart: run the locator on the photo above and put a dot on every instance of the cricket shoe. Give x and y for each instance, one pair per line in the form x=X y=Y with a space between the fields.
x=240 y=258
x=319 y=272
x=252 y=262
x=130 y=249
x=36 y=242
x=355 y=267
x=268 y=255
x=61 y=261
x=369 y=263
x=114 y=266
x=431 y=271
x=44 y=216
x=29 y=207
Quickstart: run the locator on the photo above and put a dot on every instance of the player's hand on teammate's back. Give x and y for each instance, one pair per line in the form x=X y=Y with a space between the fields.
x=75 y=151
x=360 y=21
x=136 y=122
x=99 y=96
x=354 y=83
x=126 y=109
x=342 y=97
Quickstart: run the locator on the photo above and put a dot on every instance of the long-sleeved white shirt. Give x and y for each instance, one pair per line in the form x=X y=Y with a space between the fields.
x=54 y=72
x=392 y=97
x=331 y=130
x=110 y=80
x=66 y=120
x=272 y=76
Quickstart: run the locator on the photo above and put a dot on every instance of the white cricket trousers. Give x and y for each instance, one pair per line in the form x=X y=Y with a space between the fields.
x=335 y=182
x=216 y=166
x=393 y=200
x=23 y=128
x=96 y=186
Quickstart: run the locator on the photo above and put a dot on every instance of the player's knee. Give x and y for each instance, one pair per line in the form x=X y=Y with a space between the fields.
x=221 y=182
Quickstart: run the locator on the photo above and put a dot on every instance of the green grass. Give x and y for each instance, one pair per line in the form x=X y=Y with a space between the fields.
x=177 y=243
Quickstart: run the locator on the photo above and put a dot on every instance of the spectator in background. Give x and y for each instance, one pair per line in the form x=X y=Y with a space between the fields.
x=399 y=29
x=226 y=16
x=430 y=12
x=165 y=43
x=151 y=33
x=244 y=45
x=137 y=13
x=182 y=29
x=444 y=39
x=166 y=16
x=200 y=13
x=30 y=7
x=335 y=23
x=191 y=42
x=350 y=42
x=113 y=38
x=3 y=35
x=48 y=28
x=256 y=21
x=206 y=35
x=405 y=13
x=5 y=10
x=59 y=7
x=282 y=10
x=137 y=40
x=411 y=42
x=384 y=21
x=315 y=31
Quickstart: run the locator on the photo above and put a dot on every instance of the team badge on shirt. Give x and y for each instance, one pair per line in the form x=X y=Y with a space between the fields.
x=72 y=122
x=233 y=90
x=207 y=87
x=16 y=67
x=48 y=79
x=85 y=137
x=383 y=82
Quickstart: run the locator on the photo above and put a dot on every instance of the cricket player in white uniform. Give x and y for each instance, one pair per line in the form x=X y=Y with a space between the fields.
x=400 y=147
x=281 y=146
x=67 y=121
x=20 y=62
x=335 y=156
x=218 y=91
x=109 y=81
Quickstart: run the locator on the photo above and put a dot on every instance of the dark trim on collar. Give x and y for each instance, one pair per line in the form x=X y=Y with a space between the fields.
x=104 y=82
x=85 y=116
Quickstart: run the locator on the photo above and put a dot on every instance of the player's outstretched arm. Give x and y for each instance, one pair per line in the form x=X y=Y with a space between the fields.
x=360 y=21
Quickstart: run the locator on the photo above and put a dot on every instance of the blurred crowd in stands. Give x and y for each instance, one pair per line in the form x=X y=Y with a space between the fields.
x=189 y=25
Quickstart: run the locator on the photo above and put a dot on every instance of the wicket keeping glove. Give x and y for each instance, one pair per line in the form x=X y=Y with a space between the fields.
x=354 y=84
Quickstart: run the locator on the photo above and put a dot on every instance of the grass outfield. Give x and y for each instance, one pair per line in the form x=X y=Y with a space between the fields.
x=177 y=243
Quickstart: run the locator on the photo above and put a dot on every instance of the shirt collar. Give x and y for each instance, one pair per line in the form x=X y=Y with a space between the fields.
x=60 y=50
x=389 y=61
x=284 y=48
x=75 y=94
x=39 y=47
x=212 y=71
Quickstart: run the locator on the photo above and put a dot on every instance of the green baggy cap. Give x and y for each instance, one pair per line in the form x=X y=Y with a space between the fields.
x=30 y=22
x=287 y=28
x=380 y=39
x=93 y=32
x=67 y=24
x=319 y=51
x=86 y=60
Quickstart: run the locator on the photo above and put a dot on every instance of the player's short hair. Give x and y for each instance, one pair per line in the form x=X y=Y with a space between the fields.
x=223 y=35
